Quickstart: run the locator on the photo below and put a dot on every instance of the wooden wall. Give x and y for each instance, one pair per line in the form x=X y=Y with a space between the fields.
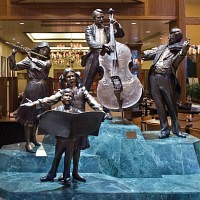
x=162 y=7
x=9 y=90
x=150 y=9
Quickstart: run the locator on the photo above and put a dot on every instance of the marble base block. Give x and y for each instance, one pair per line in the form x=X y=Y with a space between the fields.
x=14 y=158
x=146 y=155
x=122 y=163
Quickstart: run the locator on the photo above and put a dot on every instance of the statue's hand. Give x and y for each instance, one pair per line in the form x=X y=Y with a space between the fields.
x=115 y=23
x=28 y=104
x=35 y=60
x=14 y=51
x=185 y=47
x=16 y=48
x=29 y=55
x=27 y=49
x=106 y=49
x=38 y=117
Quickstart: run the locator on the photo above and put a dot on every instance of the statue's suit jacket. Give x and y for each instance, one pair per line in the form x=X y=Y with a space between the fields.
x=95 y=47
x=171 y=62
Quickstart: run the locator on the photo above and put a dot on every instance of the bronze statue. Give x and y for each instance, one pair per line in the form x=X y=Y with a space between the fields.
x=70 y=79
x=63 y=144
x=119 y=88
x=97 y=36
x=163 y=84
x=37 y=65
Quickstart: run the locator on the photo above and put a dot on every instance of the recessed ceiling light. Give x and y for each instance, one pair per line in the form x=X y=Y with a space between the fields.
x=133 y=23
x=21 y=23
x=56 y=37
x=148 y=31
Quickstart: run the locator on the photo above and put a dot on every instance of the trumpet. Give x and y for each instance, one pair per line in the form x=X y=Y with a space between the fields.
x=24 y=49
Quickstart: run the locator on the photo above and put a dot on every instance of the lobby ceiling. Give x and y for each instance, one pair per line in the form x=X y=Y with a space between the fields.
x=69 y=1
x=148 y=32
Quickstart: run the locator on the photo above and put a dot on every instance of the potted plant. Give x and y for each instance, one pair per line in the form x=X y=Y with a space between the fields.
x=193 y=90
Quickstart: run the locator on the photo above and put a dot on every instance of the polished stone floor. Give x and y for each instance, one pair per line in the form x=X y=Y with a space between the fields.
x=16 y=186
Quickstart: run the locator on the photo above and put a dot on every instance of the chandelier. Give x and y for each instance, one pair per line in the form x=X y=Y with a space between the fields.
x=67 y=56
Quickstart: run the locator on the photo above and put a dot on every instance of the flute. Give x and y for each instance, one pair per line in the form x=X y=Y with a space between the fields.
x=25 y=49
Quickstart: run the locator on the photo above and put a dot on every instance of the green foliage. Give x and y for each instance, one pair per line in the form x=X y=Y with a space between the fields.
x=193 y=91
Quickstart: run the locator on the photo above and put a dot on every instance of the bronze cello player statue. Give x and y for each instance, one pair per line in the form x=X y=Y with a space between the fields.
x=119 y=88
x=97 y=35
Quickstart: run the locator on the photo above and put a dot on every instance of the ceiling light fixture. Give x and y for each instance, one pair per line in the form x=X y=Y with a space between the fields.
x=56 y=37
x=57 y=48
x=83 y=22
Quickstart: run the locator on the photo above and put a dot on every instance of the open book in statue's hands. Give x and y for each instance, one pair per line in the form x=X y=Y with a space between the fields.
x=69 y=125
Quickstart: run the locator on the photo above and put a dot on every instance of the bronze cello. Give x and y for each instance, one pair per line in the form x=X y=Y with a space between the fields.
x=119 y=88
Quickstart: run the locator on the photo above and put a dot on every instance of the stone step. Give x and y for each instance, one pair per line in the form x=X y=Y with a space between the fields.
x=27 y=186
x=14 y=158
